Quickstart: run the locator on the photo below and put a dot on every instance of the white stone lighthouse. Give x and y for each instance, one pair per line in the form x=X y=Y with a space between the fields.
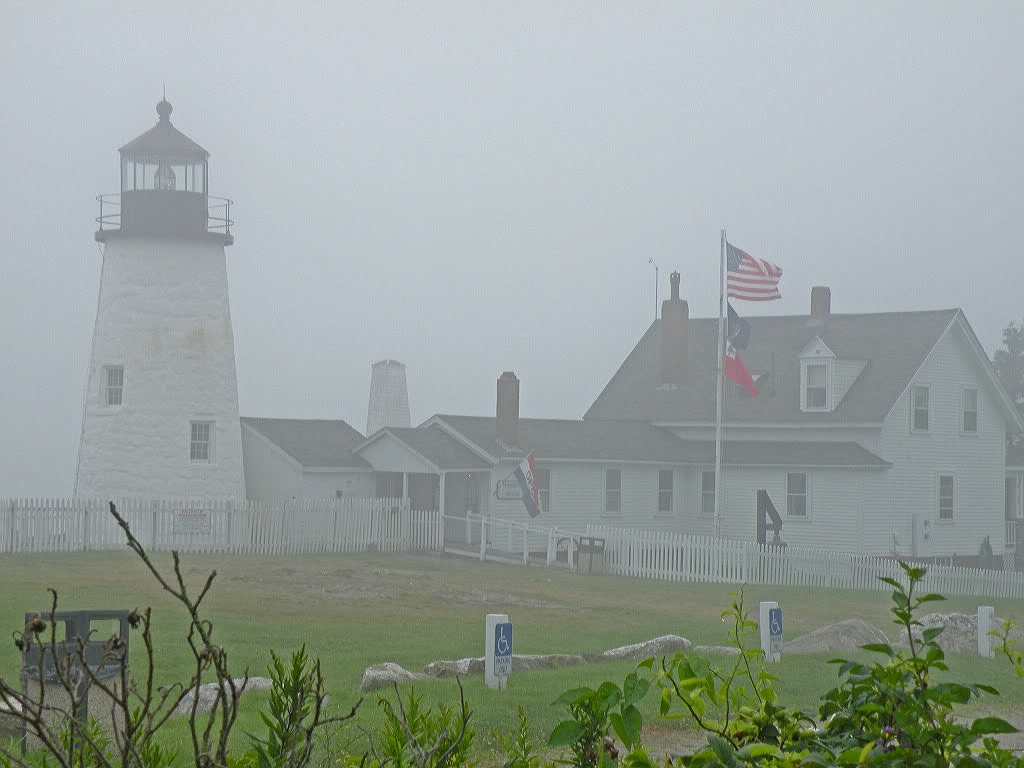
x=160 y=419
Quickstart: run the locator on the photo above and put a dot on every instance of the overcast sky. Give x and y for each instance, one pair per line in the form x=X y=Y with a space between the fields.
x=474 y=187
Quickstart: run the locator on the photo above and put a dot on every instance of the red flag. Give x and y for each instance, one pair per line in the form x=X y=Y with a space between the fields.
x=737 y=371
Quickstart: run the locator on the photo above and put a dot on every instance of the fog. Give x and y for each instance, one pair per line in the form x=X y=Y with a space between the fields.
x=471 y=188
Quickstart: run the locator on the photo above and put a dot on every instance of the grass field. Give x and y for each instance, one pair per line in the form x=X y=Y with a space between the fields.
x=356 y=610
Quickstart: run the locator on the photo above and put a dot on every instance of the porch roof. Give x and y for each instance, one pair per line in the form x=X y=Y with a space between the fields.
x=610 y=441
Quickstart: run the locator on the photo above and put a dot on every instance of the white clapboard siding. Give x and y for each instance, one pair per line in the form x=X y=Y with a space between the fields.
x=294 y=527
x=681 y=557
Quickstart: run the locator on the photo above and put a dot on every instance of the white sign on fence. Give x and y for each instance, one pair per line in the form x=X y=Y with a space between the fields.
x=192 y=521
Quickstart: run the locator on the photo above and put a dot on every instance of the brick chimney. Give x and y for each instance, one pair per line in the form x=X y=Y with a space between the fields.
x=821 y=303
x=675 y=316
x=507 y=411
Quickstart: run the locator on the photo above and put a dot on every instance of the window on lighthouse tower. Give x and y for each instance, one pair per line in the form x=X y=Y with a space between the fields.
x=113 y=390
x=202 y=440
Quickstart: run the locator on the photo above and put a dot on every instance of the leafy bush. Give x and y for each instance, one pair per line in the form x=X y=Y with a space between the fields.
x=893 y=712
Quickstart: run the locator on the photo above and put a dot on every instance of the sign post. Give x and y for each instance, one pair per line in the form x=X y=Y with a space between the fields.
x=771 y=630
x=497 y=650
x=985 y=640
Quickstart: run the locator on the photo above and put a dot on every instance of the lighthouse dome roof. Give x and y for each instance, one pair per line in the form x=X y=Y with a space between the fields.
x=164 y=140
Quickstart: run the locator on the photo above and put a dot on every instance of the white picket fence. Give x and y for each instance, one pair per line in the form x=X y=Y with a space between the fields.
x=681 y=557
x=389 y=525
x=293 y=527
x=509 y=541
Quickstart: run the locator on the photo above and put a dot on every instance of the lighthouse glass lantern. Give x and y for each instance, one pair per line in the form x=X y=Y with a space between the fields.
x=164 y=187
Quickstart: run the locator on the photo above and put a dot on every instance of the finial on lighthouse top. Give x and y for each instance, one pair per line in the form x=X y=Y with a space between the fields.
x=164 y=109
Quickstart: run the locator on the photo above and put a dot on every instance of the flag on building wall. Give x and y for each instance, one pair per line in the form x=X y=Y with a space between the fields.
x=751 y=279
x=737 y=371
x=526 y=474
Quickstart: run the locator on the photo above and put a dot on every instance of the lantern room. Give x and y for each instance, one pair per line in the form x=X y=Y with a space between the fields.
x=164 y=188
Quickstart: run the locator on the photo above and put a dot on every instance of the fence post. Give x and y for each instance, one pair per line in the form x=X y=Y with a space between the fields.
x=85 y=527
x=483 y=538
x=152 y=530
x=10 y=526
x=440 y=532
x=526 y=545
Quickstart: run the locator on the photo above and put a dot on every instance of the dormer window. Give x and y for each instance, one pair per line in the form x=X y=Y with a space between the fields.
x=817 y=392
x=817 y=364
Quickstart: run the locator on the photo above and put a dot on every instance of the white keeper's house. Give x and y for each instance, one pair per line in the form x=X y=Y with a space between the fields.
x=873 y=433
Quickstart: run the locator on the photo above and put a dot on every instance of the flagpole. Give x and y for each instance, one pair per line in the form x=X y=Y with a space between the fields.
x=718 y=408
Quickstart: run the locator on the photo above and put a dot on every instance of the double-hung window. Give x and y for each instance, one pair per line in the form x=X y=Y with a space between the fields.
x=665 y=490
x=113 y=385
x=201 y=448
x=817 y=392
x=969 y=403
x=796 y=494
x=612 y=491
x=945 y=497
x=707 y=493
x=919 y=409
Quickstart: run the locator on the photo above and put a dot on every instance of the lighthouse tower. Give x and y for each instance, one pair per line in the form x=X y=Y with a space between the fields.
x=160 y=418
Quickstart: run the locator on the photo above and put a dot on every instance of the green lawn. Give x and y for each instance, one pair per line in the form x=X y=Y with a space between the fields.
x=356 y=610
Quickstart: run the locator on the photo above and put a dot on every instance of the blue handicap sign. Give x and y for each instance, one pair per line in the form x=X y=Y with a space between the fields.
x=503 y=649
x=775 y=629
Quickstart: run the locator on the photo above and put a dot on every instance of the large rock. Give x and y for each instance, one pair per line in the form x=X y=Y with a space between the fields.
x=959 y=634
x=659 y=646
x=520 y=663
x=545 y=661
x=208 y=693
x=459 y=667
x=716 y=650
x=383 y=675
x=845 y=635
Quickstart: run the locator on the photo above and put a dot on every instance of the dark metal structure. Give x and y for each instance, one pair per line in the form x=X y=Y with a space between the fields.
x=765 y=510
x=41 y=662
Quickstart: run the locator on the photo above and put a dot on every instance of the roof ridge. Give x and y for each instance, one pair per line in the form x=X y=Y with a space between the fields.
x=890 y=313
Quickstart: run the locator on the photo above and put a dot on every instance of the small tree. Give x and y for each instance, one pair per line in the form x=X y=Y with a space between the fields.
x=1009 y=362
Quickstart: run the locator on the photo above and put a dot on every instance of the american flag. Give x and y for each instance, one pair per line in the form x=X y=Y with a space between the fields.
x=751 y=279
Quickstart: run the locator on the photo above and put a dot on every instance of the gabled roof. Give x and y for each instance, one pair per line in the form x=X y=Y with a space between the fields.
x=313 y=443
x=433 y=444
x=895 y=344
